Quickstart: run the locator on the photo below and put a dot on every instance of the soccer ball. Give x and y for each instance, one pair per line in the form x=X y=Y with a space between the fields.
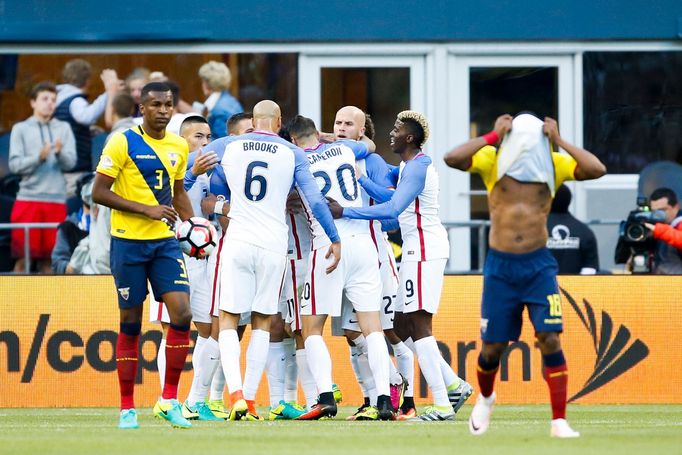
x=197 y=237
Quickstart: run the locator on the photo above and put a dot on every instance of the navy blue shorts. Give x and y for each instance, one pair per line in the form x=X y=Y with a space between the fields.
x=512 y=282
x=133 y=262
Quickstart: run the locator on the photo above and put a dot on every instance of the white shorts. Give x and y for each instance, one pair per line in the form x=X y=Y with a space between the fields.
x=357 y=277
x=294 y=280
x=213 y=263
x=199 y=294
x=250 y=278
x=421 y=283
x=389 y=289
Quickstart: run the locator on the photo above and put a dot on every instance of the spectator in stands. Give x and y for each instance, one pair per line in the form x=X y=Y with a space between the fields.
x=124 y=108
x=41 y=149
x=668 y=256
x=73 y=108
x=70 y=232
x=134 y=83
x=220 y=104
x=571 y=242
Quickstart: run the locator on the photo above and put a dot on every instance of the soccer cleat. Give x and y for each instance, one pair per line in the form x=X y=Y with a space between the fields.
x=406 y=415
x=319 y=411
x=251 y=415
x=368 y=413
x=171 y=411
x=398 y=393
x=239 y=406
x=435 y=414
x=385 y=408
x=292 y=411
x=561 y=429
x=459 y=395
x=338 y=396
x=205 y=413
x=360 y=410
x=276 y=413
x=479 y=420
x=217 y=407
x=127 y=420
x=188 y=413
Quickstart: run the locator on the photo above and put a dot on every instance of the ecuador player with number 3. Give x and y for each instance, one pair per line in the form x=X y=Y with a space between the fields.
x=521 y=177
x=146 y=166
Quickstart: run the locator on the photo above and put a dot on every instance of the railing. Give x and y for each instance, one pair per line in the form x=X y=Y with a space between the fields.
x=27 y=246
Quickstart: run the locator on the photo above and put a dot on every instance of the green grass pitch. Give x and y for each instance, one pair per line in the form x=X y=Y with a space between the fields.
x=649 y=430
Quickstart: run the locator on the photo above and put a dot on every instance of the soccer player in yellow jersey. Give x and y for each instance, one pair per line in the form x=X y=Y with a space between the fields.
x=140 y=176
x=521 y=176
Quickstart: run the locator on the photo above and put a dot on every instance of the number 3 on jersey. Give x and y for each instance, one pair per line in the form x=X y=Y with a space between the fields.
x=252 y=178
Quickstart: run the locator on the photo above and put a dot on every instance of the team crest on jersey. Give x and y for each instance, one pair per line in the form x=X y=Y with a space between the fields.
x=173 y=157
x=125 y=293
x=106 y=162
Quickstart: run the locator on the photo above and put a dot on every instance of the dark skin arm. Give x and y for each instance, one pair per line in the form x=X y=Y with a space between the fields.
x=589 y=167
x=102 y=194
x=460 y=156
x=181 y=201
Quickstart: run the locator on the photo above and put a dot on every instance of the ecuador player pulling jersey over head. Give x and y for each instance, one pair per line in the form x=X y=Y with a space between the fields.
x=140 y=177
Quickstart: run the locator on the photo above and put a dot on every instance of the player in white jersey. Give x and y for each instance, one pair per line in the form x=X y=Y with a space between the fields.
x=425 y=252
x=259 y=170
x=357 y=276
x=352 y=123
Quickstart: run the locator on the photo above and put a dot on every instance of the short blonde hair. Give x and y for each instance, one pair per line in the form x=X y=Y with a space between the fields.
x=420 y=120
x=216 y=75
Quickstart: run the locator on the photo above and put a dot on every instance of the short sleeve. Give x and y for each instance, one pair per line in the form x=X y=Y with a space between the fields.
x=483 y=161
x=564 y=168
x=181 y=168
x=114 y=156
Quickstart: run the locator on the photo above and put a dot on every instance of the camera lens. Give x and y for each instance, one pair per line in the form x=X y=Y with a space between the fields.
x=635 y=232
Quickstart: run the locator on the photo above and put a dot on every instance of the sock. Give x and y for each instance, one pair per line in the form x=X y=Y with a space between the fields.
x=307 y=379
x=161 y=361
x=394 y=376
x=556 y=375
x=365 y=370
x=177 y=346
x=379 y=361
x=354 y=363
x=290 y=371
x=197 y=365
x=405 y=360
x=451 y=380
x=126 y=362
x=210 y=361
x=319 y=362
x=230 y=351
x=275 y=369
x=218 y=382
x=428 y=356
x=410 y=345
x=486 y=372
x=256 y=358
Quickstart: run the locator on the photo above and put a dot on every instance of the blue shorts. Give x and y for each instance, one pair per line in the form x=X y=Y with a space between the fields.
x=133 y=262
x=512 y=282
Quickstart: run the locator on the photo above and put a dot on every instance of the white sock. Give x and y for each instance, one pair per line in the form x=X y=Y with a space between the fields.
x=218 y=382
x=319 y=362
x=256 y=358
x=428 y=356
x=450 y=379
x=365 y=370
x=275 y=370
x=230 y=351
x=161 y=362
x=307 y=379
x=405 y=360
x=394 y=376
x=210 y=362
x=290 y=371
x=379 y=361
x=197 y=366
x=410 y=345
x=355 y=364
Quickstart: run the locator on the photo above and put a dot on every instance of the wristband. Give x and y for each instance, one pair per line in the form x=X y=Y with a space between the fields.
x=491 y=138
x=218 y=209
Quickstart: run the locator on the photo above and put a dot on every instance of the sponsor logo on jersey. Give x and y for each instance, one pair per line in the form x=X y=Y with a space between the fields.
x=145 y=157
x=106 y=162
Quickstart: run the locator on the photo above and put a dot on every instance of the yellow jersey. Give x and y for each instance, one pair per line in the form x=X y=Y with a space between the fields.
x=484 y=163
x=144 y=170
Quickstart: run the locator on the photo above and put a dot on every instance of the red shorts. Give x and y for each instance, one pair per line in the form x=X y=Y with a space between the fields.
x=41 y=241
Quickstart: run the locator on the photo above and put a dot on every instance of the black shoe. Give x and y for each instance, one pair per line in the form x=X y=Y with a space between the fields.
x=386 y=411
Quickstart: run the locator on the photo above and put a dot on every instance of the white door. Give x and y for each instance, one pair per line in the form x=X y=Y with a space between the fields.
x=480 y=89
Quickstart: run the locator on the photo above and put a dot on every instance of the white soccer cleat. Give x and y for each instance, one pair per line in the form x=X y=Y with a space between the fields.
x=561 y=429
x=479 y=420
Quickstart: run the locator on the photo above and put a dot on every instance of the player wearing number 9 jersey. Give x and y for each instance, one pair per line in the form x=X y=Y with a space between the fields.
x=357 y=276
x=260 y=169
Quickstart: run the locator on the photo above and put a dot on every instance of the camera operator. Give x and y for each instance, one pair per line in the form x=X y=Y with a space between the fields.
x=668 y=235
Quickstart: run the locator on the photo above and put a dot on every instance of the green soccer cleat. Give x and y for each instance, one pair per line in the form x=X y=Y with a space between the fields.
x=217 y=407
x=189 y=413
x=338 y=396
x=276 y=412
x=127 y=420
x=205 y=413
x=171 y=411
x=368 y=413
x=292 y=410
